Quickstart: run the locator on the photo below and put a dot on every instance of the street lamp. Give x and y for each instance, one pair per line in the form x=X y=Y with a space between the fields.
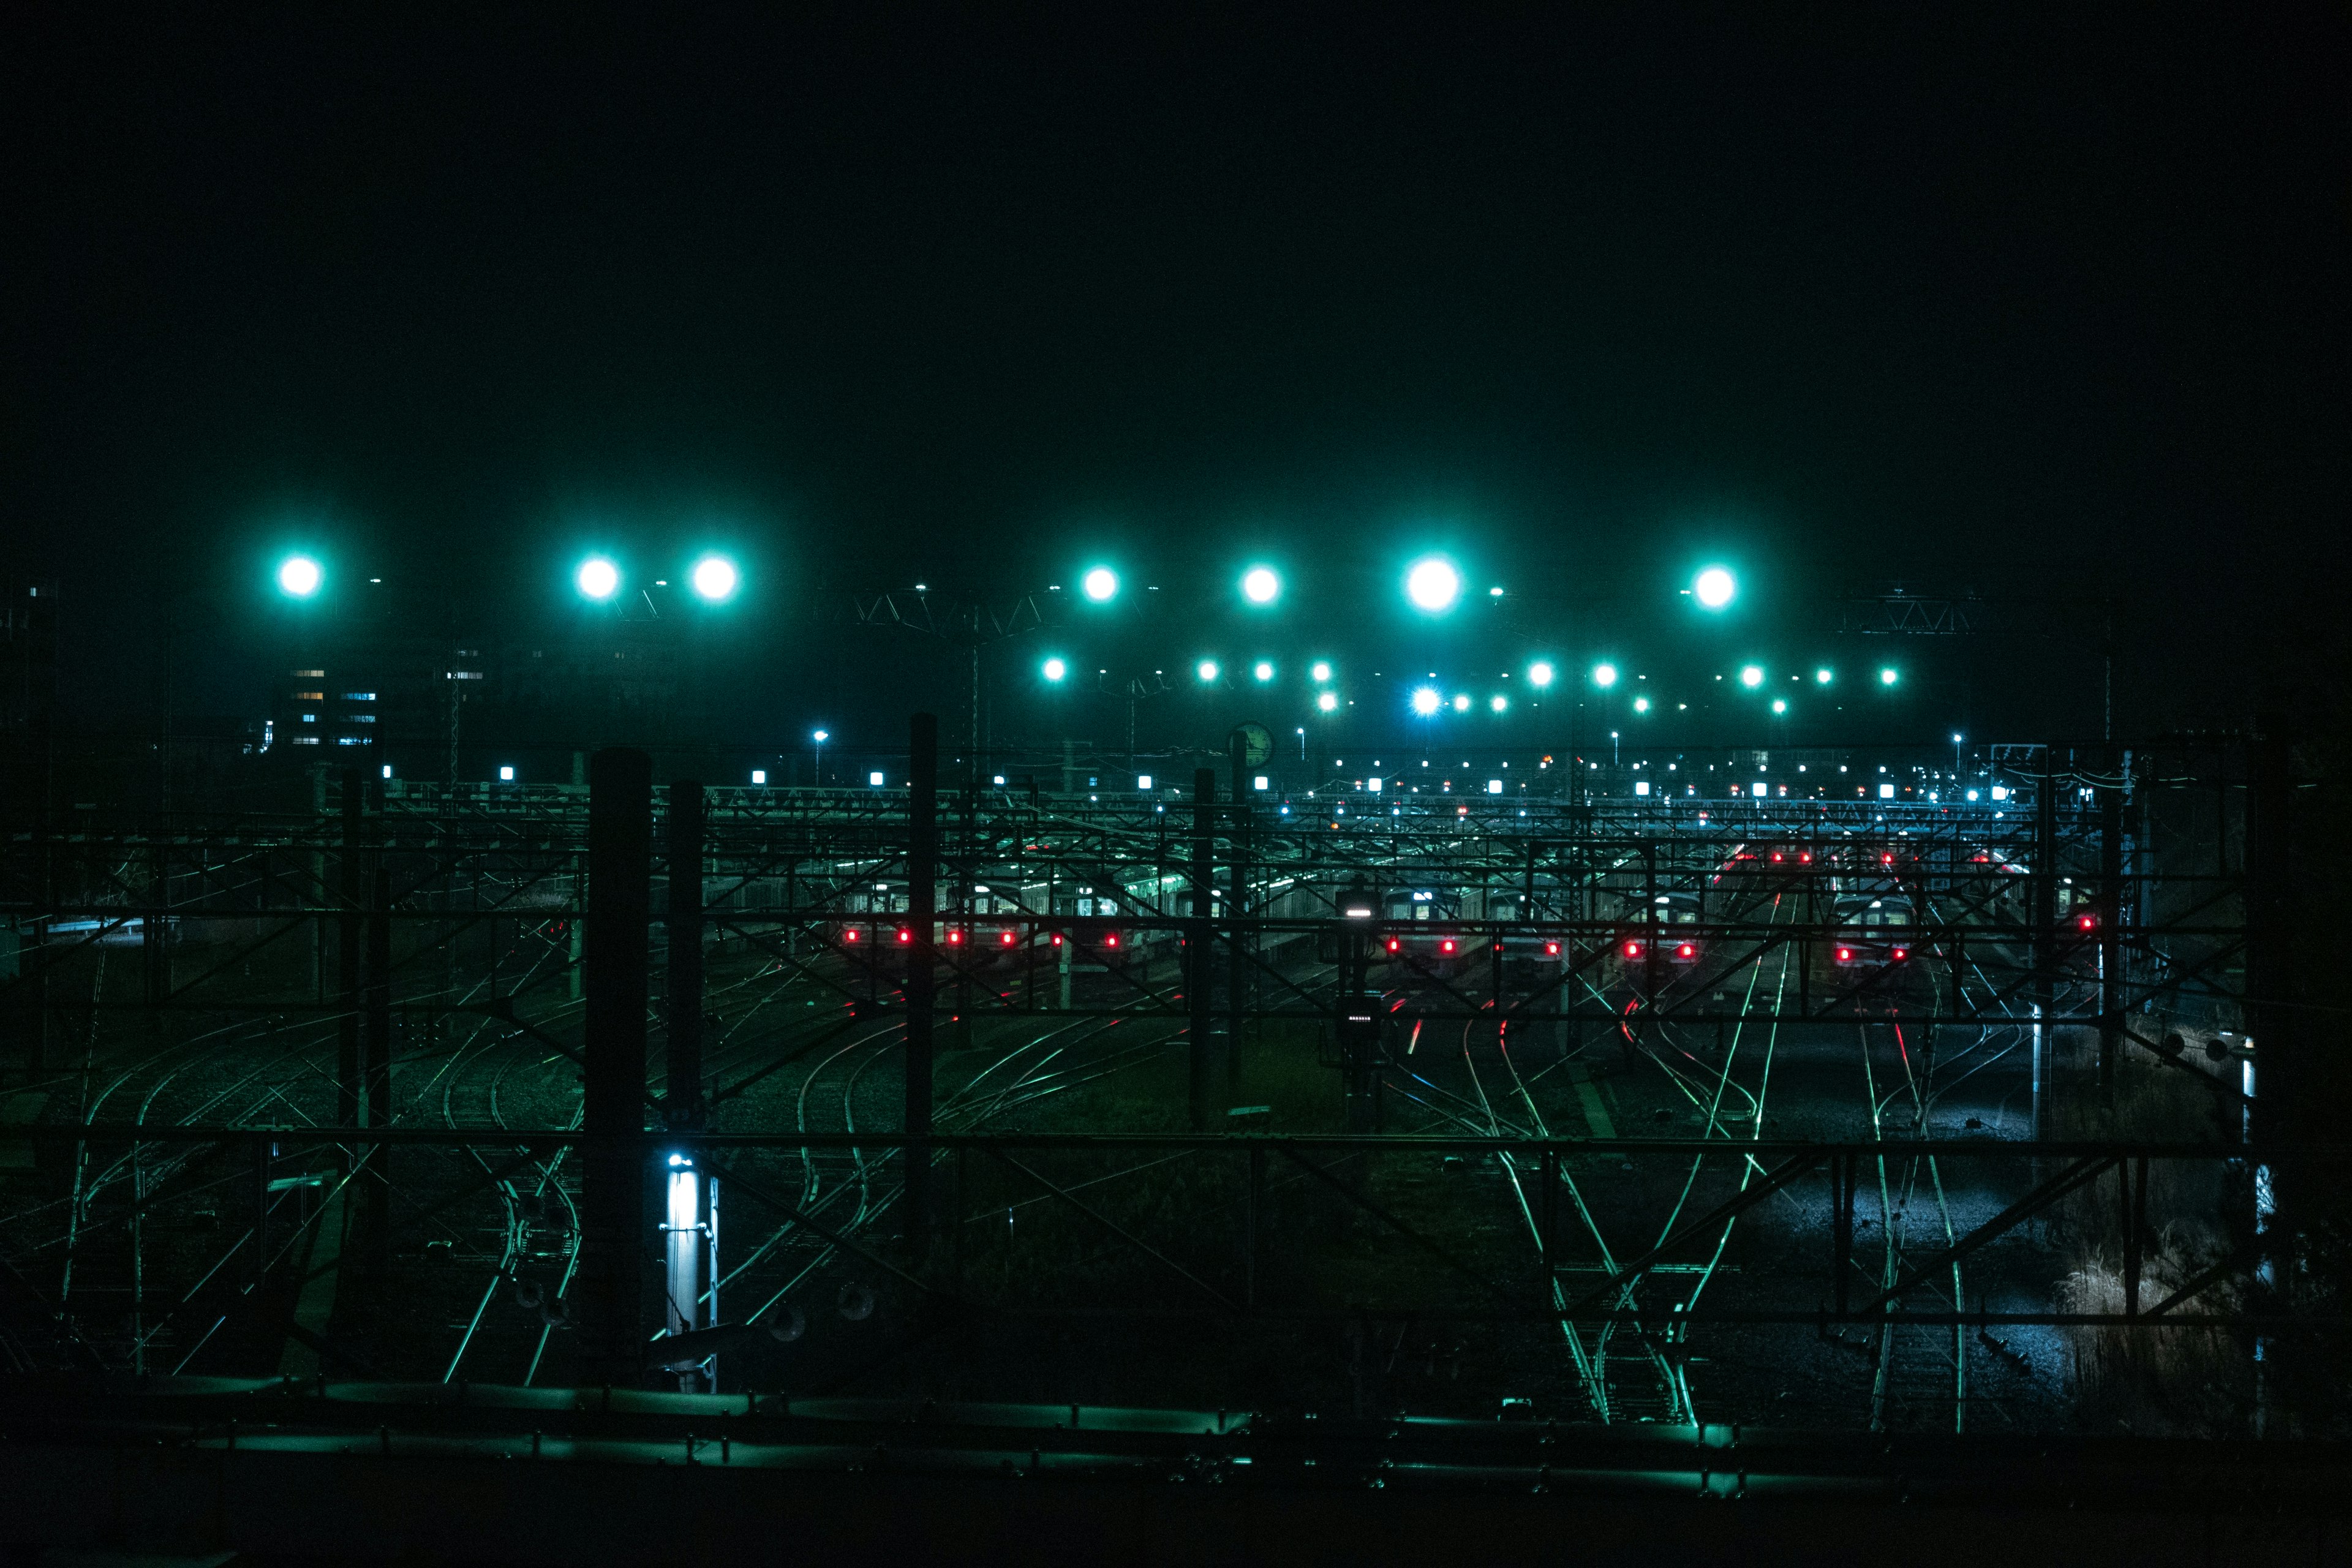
x=1426 y=701
x=818 y=742
x=1500 y=704
x=1206 y=669
x=1054 y=669
x=1433 y=585
x=598 y=578
x=299 y=576
x=1604 y=675
x=1823 y=675
x=1260 y=586
x=1329 y=702
x=1322 y=670
x=1714 y=588
x=1101 y=584
x=1540 y=673
x=1752 y=677
x=715 y=578
x=1887 y=677
x=1264 y=671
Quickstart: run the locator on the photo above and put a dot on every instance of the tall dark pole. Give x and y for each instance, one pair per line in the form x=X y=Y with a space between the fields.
x=620 y=897
x=2278 y=1111
x=2110 y=909
x=922 y=883
x=2045 y=929
x=1236 y=905
x=1199 y=968
x=350 y=892
x=683 y=1101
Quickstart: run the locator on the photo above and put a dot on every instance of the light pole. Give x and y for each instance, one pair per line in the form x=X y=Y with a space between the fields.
x=817 y=745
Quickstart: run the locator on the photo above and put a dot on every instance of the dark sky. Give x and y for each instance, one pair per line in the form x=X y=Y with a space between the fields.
x=2039 y=303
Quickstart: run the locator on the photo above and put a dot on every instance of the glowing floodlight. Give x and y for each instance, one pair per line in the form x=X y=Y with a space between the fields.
x=1460 y=703
x=598 y=578
x=1752 y=676
x=1433 y=585
x=1823 y=676
x=1260 y=586
x=1641 y=705
x=1329 y=702
x=715 y=578
x=1101 y=584
x=1206 y=669
x=1540 y=673
x=1263 y=670
x=1054 y=669
x=1426 y=701
x=1714 y=588
x=300 y=577
x=1779 y=705
x=1500 y=703
x=1604 y=675
x=1887 y=677
x=1322 y=670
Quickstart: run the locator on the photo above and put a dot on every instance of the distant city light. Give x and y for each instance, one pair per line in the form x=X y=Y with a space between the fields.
x=1714 y=587
x=1206 y=669
x=598 y=578
x=1426 y=701
x=1604 y=675
x=300 y=577
x=1054 y=669
x=1260 y=586
x=714 y=577
x=1752 y=676
x=1433 y=585
x=1540 y=673
x=1322 y=670
x=1329 y=701
x=1886 y=677
x=1263 y=670
x=1500 y=703
x=1101 y=584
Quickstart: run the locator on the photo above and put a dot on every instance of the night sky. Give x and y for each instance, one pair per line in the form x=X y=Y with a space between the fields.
x=2043 y=304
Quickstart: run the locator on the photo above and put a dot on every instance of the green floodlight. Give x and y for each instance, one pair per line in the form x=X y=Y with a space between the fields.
x=715 y=578
x=597 y=579
x=1054 y=669
x=1260 y=586
x=1887 y=677
x=1101 y=584
x=1714 y=588
x=299 y=576
x=1433 y=585
x=1604 y=675
x=1752 y=677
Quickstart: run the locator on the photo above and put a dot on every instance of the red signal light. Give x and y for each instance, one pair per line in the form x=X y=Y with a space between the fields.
x=1776 y=856
x=1687 y=949
x=1552 y=949
x=849 y=935
x=1058 y=939
x=2086 y=922
x=1633 y=950
x=1845 y=953
x=1111 y=941
x=904 y=936
x=1806 y=858
x=1005 y=938
x=1393 y=944
x=1901 y=953
x=954 y=938
x=1886 y=859
x=1445 y=946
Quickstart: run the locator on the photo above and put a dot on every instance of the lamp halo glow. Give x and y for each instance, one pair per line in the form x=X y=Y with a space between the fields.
x=299 y=576
x=1714 y=588
x=1433 y=585
x=598 y=578
x=1100 y=584
x=715 y=578
x=1261 y=586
